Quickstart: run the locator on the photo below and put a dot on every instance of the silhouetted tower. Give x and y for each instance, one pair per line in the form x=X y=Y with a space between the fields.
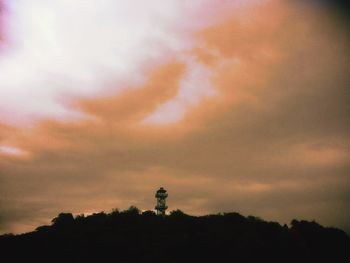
x=161 y=195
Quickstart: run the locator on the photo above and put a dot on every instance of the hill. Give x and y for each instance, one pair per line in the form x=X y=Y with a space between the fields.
x=132 y=236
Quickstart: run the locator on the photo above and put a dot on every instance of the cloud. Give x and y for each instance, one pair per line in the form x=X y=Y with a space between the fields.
x=193 y=87
x=59 y=51
x=80 y=49
x=260 y=126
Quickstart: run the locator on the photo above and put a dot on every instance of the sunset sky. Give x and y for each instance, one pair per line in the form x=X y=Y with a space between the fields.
x=231 y=105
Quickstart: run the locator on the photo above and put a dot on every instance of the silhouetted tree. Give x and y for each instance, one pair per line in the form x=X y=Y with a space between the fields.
x=132 y=210
x=149 y=213
x=177 y=213
x=79 y=218
x=115 y=211
x=63 y=219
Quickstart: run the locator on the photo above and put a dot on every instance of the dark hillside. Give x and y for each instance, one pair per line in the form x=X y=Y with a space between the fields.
x=130 y=236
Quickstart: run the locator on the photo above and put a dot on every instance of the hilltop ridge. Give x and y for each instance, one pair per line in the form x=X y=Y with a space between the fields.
x=132 y=236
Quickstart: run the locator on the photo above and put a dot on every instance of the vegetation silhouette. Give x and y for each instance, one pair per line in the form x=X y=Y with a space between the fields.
x=135 y=236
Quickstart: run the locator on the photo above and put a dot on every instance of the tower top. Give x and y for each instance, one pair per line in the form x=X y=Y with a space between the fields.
x=161 y=206
x=161 y=190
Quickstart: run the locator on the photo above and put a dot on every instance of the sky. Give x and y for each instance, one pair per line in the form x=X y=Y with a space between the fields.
x=239 y=106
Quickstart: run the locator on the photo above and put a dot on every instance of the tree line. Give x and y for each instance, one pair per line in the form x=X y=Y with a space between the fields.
x=135 y=236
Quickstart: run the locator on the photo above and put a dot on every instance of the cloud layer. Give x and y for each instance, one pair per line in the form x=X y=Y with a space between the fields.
x=245 y=111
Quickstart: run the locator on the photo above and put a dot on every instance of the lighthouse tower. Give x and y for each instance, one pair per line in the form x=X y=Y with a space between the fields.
x=161 y=195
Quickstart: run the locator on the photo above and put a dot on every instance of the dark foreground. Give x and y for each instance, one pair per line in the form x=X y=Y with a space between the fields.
x=129 y=236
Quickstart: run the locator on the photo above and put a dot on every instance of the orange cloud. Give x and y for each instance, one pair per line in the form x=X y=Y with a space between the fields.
x=134 y=104
x=248 y=148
